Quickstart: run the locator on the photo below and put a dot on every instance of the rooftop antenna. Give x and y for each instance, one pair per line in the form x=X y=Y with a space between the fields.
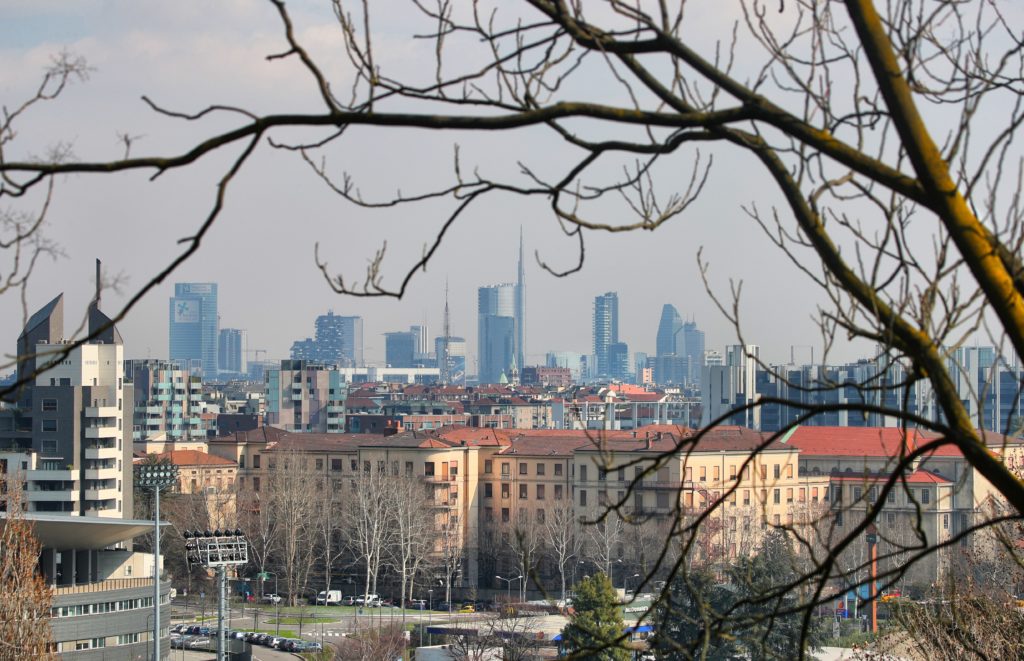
x=99 y=283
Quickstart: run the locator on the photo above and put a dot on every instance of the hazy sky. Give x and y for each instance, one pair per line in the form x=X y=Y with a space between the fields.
x=188 y=54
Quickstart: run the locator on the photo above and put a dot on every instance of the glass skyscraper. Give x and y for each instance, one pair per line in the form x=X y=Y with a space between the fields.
x=495 y=331
x=193 y=324
x=606 y=329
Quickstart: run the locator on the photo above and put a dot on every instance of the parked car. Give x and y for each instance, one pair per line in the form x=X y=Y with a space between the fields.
x=349 y=601
x=416 y=604
x=271 y=599
x=369 y=600
x=329 y=597
x=312 y=646
x=468 y=608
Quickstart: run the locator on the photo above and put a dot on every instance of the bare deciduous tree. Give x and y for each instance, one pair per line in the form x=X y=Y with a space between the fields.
x=563 y=538
x=368 y=522
x=25 y=606
x=412 y=517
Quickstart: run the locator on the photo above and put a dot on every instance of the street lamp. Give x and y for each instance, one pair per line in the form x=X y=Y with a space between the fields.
x=156 y=476
x=508 y=598
x=217 y=550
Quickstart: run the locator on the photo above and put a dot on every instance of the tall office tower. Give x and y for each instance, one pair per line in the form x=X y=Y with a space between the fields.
x=668 y=340
x=400 y=349
x=495 y=331
x=67 y=437
x=618 y=361
x=606 y=329
x=456 y=358
x=692 y=347
x=421 y=348
x=168 y=400
x=231 y=351
x=520 y=312
x=339 y=340
x=193 y=324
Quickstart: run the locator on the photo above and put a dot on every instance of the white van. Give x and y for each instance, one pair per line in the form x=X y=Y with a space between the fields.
x=329 y=597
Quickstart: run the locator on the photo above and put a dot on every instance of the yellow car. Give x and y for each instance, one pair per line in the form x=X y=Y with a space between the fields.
x=468 y=608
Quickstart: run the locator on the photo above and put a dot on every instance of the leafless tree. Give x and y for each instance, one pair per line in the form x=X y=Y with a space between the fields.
x=25 y=606
x=525 y=543
x=369 y=524
x=256 y=520
x=563 y=538
x=451 y=548
x=327 y=524
x=414 y=531
x=604 y=539
x=510 y=638
x=290 y=483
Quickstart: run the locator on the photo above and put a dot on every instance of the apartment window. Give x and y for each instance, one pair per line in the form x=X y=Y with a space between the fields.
x=504 y=515
x=776 y=496
x=776 y=471
x=49 y=405
x=488 y=514
x=789 y=496
x=789 y=471
x=803 y=495
x=814 y=494
x=601 y=474
x=453 y=469
x=715 y=475
x=558 y=469
x=523 y=491
x=506 y=468
x=764 y=472
x=764 y=496
x=746 y=497
x=776 y=520
x=602 y=497
x=408 y=469
x=540 y=469
x=732 y=472
x=583 y=472
x=925 y=496
x=732 y=498
x=663 y=500
x=622 y=475
x=688 y=499
x=837 y=494
x=540 y=492
x=488 y=490
x=49 y=425
x=488 y=466
x=688 y=472
x=583 y=497
x=891 y=498
x=255 y=461
x=49 y=446
x=522 y=468
x=255 y=484
x=558 y=492
x=703 y=473
x=428 y=468
x=857 y=493
x=394 y=468
x=540 y=516
x=319 y=463
x=505 y=490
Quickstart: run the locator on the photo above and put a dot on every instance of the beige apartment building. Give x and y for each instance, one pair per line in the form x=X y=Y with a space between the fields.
x=494 y=489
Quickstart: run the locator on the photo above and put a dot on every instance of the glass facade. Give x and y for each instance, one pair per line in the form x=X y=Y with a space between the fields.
x=193 y=324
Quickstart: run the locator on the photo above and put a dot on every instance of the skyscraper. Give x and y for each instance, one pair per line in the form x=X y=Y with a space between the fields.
x=400 y=348
x=339 y=341
x=495 y=331
x=668 y=341
x=231 y=351
x=693 y=348
x=606 y=329
x=520 y=312
x=618 y=361
x=421 y=347
x=193 y=324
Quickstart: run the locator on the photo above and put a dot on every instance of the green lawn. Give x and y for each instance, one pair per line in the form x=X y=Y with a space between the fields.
x=305 y=620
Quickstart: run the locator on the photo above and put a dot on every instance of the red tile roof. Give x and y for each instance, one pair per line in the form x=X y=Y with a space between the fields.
x=194 y=458
x=854 y=441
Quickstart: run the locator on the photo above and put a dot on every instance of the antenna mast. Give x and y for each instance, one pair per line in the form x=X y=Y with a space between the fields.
x=446 y=363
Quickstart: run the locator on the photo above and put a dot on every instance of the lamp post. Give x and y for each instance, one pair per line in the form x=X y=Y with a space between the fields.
x=156 y=476
x=508 y=581
x=430 y=614
x=217 y=550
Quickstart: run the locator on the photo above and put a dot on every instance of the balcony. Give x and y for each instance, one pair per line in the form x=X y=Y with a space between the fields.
x=108 y=493
x=101 y=412
x=653 y=484
x=101 y=432
x=105 y=586
x=52 y=476
x=101 y=452
x=55 y=496
x=100 y=473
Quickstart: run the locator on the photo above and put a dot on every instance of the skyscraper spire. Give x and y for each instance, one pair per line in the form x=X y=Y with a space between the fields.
x=520 y=309
x=445 y=359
